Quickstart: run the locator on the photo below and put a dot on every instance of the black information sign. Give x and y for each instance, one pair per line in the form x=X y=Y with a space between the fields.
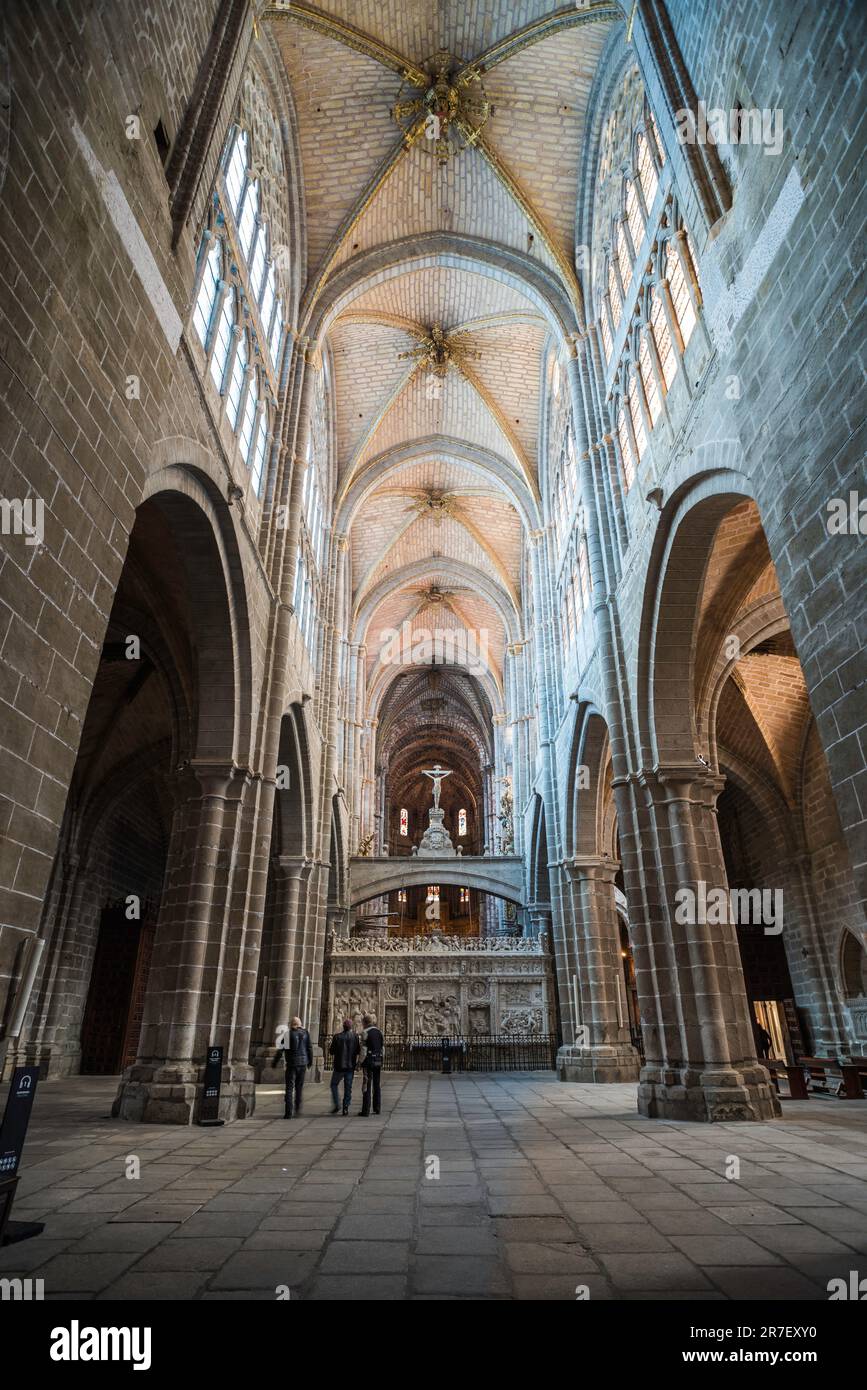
x=210 y=1109
x=13 y=1131
x=16 y=1118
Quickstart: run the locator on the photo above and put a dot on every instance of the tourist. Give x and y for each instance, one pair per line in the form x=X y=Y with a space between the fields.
x=298 y=1055
x=371 y=1065
x=344 y=1049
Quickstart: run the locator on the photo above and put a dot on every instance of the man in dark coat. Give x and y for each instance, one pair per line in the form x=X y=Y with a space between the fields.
x=344 y=1050
x=374 y=1047
x=298 y=1055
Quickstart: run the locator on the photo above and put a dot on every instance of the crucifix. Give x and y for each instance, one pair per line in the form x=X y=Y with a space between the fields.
x=437 y=775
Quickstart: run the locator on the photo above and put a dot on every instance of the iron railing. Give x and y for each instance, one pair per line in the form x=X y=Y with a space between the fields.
x=478 y=1052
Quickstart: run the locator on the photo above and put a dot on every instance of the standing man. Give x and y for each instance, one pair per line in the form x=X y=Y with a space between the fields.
x=374 y=1047
x=345 y=1048
x=298 y=1055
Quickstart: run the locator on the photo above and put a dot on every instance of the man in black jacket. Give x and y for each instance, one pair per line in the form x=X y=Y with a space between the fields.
x=345 y=1048
x=298 y=1055
x=374 y=1047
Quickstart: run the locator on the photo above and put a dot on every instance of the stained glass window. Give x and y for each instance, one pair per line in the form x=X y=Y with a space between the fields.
x=404 y=821
x=462 y=822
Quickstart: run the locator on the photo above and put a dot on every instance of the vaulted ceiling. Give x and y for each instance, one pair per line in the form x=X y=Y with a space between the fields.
x=429 y=134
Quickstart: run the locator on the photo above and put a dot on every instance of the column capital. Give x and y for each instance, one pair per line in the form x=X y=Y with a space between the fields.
x=693 y=782
x=591 y=866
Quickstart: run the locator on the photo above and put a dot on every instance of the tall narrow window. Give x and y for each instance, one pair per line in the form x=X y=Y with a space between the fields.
x=401 y=895
x=223 y=343
x=404 y=821
x=208 y=291
x=679 y=293
x=647 y=174
x=462 y=822
x=634 y=217
x=258 y=465
x=624 y=259
x=247 y=219
x=250 y=403
x=269 y=292
x=606 y=334
x=276 y=334
x=637 y=417
x=236 y=385
x=259 y=264
x=613 y=294
x=662 y=337
x=584 y=573
x=236 y=170
x=625 y=449
x=648 y=380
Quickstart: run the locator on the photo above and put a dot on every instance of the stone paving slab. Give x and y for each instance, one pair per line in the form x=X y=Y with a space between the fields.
x=542 y=1189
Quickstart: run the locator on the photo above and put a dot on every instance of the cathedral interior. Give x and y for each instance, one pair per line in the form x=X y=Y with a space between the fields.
x=433 y=558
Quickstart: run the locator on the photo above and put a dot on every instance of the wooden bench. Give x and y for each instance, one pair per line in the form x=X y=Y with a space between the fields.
x=794 y=1075
x=820 y=1069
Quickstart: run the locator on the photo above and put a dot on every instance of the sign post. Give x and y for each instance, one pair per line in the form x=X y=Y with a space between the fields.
x=210 y=1109
x=13 y=1132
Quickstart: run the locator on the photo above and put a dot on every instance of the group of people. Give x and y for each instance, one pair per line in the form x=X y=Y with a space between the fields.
x=348 y=1050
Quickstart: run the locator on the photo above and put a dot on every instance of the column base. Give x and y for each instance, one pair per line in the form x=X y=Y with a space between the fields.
x=55 y=1060
x=604 y=1064
x=173 y=1095
x=715 y=1097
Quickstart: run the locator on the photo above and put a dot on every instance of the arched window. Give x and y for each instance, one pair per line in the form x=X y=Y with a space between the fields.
x=662 y=337
x=404 y=821
x=223 y=340
x=647 y=175
x=465 y=897
x=401 y=895
x=462 y=822
x=209 y=290
x=680 y=296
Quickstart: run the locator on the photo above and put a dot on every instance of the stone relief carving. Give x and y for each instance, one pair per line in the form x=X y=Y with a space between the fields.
x=521 y=1021
x=396 y=989
x=479 y=1018
x=438 y=1014
x=478 y=989
x=352 y=1003
x=395 y=1021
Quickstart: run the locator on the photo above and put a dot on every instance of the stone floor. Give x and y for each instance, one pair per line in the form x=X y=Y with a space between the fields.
x=541 y=1187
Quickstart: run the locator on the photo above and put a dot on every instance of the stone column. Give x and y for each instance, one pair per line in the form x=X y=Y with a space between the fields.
x=602 y=1051
x=290 y=872
x=185 y=1009
x=701 y=1062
